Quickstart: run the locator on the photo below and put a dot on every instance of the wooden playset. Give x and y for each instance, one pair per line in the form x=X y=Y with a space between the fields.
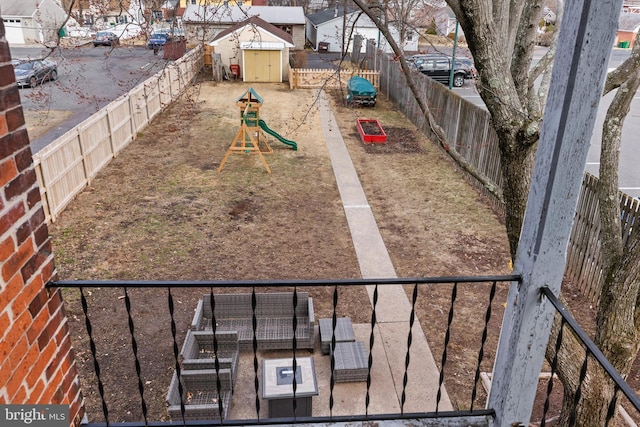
x=249 y=139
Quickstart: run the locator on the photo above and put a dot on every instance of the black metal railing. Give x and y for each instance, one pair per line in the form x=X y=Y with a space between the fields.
x=99 y=320
x=104 y=362
x=623 y=395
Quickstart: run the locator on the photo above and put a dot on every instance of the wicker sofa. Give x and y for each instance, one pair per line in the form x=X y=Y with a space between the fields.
x=200 y=395
x=274 y=315
x=197 y=351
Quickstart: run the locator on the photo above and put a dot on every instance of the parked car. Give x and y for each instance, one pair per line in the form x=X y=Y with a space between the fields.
x=34 y=72
x=438 y=67
x=105 y=38
x=468 y=66
x=158 y=39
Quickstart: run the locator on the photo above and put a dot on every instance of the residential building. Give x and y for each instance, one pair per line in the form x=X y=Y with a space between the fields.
x=203 y=23
x=327 y=26
x=32 y=21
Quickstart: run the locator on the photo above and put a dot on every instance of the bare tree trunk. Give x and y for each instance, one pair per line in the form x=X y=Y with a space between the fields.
x=596 y=392
x=503 y=66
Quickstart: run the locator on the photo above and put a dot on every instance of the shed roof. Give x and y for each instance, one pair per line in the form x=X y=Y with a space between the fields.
x=257 y=22
x=282 y=15
x=629 y=22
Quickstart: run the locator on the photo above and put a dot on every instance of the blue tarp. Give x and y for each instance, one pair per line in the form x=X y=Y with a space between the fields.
x=359 y=86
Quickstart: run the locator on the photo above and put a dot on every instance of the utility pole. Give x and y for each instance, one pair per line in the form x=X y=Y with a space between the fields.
x=453 y=56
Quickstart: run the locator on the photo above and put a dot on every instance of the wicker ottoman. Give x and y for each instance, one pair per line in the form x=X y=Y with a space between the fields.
x=344 y=332
x=351 y=363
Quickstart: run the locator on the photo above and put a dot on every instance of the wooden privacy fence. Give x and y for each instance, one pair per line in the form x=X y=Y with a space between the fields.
x=468 y=128
x=300 y=78
x=67 y=165
x=584 y=258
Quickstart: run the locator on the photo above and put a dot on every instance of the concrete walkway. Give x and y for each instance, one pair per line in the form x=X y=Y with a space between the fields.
x=393 y=306
x=390 y=333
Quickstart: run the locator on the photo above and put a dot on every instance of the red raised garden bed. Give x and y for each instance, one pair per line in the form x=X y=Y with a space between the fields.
x=371 y=131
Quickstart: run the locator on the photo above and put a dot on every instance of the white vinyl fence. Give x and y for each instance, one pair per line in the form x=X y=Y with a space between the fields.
x=67 y=165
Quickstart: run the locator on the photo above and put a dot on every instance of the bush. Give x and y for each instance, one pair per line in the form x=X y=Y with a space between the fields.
x=431 y=28
x=298 y=59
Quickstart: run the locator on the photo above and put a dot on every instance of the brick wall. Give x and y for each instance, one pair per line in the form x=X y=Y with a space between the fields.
x=36 y=359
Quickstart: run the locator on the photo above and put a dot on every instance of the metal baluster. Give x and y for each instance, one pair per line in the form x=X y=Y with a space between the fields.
x=175 y=355
x=333 y=343
x=407 y=358
x=254 y=323
x=295 y=362
x=611 y=409
x=487 y=317
x=92 y=345
x=216 y=361
x=373 y=324
x=134 y=346
x=447 y=337
x=554 y=366
x=576 y=397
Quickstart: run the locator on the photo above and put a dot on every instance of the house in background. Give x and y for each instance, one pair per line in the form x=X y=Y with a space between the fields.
x=32 y=21
x=203 y=23
x=259 y=48
x=171 y=10
x=217 y=3
x=325 y=29
x=628 y=27
x=102 y=14
x=631 y=6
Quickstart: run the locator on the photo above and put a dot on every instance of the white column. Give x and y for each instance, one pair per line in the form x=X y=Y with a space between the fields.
x=584 y=47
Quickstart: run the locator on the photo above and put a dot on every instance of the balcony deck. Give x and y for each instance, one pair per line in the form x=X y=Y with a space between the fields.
x=349 y=398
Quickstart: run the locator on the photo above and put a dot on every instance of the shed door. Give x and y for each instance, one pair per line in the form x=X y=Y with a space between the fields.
x=13 y=31
x=262 y=66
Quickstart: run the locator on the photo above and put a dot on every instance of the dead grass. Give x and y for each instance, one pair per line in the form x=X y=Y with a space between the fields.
x=160 y=211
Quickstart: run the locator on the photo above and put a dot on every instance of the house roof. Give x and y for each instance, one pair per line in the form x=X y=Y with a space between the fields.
x=171 y=4
x=29 y=8
x=327 y=15
x=18 y=8
x=629 y=22
x=256 y=22
x=282 y=15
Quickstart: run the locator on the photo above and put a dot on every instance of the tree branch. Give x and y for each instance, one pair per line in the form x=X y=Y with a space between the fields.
x=424 y=107
x=543 y=67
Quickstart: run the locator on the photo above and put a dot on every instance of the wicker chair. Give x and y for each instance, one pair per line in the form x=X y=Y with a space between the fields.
x=200 y=397
x=197 y=351
x=274 y=315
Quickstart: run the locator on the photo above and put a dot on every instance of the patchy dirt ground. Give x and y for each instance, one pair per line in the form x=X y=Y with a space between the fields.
x=160 y=211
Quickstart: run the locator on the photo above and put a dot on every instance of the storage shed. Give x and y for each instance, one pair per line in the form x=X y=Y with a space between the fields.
x=259 y=48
